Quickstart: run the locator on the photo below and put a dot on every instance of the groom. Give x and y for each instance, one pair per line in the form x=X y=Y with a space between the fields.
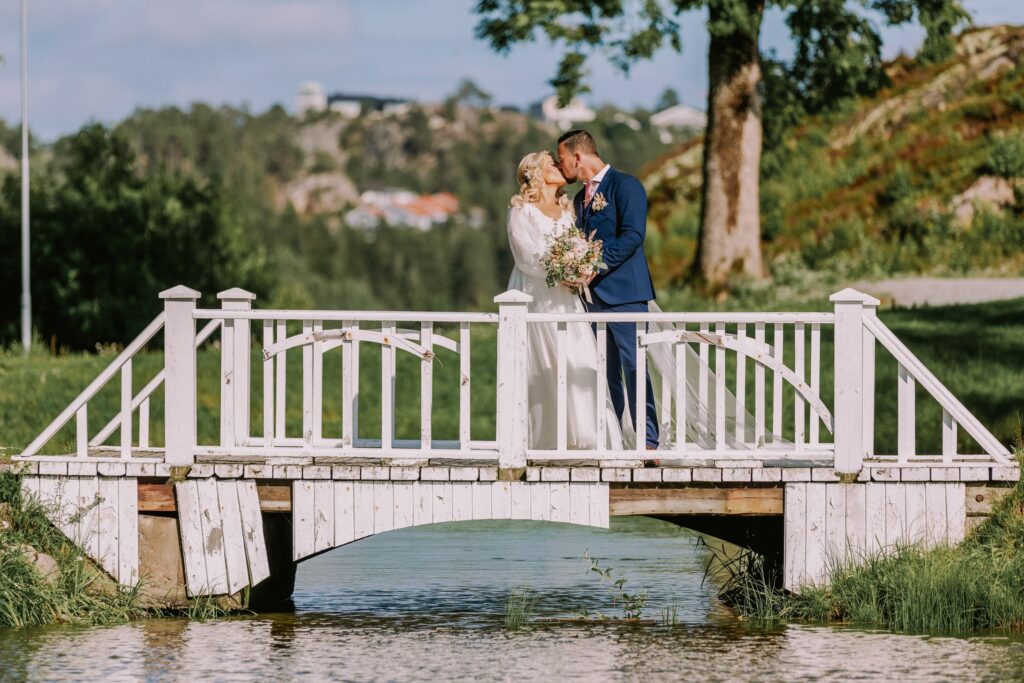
x=613 y=208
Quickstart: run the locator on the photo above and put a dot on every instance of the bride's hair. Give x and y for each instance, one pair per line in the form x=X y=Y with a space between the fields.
x=530 y=176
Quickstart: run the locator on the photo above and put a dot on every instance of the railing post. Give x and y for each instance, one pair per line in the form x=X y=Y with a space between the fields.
x=235 y=369
x=179 y=375
x=852 y=385
x=513 y=419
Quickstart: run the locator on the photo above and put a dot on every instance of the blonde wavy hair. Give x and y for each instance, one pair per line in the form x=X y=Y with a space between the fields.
x=530 y=176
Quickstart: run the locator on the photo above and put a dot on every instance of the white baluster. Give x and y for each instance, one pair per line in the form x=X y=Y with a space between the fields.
x=815 y=378
x=741 y=387
x=238 y=370
x=561 y=425
x=318 y=384
x=387 y=387
x=948 y=437
x=702 y=381
x=798 y=403
x=144 y=423
x=906 y=418
x=640 y=409
x=868 y=355
x=82 y=431
x=777 y=386
x=681 y=397
x=720 y=390
x=281 y=384
x=307 y=385
x=268 y=385
x=602 y=385
x=426 y=385
x=465 y=394
x=759 y=416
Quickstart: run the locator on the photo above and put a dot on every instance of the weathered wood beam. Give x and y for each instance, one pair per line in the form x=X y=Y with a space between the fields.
x=692 y=500
x=160 y=497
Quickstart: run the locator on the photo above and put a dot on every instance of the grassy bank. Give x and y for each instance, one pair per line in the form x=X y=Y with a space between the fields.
x=974 y=350
x=69 y=590
x=973 y=587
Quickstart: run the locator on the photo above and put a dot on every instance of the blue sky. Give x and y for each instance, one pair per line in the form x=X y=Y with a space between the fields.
x=100 y=59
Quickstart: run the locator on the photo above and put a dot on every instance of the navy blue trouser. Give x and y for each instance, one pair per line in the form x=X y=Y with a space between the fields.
x=622 y=362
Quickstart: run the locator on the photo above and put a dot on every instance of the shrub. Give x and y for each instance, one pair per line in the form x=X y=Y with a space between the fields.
x=1006 y=157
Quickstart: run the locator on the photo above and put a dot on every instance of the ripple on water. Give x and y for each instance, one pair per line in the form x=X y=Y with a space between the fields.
x=427 y=604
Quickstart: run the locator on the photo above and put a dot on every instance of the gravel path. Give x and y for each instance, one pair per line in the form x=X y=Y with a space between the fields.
x=933 y=291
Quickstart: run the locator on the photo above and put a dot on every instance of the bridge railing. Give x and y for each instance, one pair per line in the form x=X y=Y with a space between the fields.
x=756 y=379
x=284 y=334
x=760 y=376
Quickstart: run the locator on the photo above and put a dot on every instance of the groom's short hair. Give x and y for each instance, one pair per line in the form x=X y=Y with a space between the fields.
x=578 y=141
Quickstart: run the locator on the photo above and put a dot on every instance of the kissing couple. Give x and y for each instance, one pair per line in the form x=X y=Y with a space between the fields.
x=611 y=210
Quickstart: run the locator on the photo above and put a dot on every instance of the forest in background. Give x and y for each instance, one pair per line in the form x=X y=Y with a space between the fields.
x=195 y=196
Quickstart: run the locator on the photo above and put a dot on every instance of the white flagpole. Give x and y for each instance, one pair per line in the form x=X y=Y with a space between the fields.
x=26 y=292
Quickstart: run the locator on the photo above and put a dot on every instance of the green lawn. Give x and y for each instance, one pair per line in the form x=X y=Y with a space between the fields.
x=977 y=351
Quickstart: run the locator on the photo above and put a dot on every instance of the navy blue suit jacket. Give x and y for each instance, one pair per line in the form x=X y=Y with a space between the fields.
x=621 y=226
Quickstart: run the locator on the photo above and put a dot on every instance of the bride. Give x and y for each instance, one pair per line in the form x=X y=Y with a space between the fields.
x=541 y=209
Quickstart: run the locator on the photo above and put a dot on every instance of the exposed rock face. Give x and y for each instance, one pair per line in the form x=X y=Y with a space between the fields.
x=44 y=564
x=988 y=191
x=319 y=193
x=981 y=55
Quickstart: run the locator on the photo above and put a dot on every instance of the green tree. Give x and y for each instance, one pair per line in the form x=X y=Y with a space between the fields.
x=837 y=54
x=669 y=98
x=106 y=240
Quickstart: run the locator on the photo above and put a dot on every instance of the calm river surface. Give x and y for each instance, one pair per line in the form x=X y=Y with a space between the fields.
x=427 y=604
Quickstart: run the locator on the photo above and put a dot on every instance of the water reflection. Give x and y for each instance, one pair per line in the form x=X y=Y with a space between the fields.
x=426 y=604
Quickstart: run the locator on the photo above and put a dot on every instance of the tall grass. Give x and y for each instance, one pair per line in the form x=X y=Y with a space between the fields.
x=519 y=606
x=975 y=586
x=76 y=593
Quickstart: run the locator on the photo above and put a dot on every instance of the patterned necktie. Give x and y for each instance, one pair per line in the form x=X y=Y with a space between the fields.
x=591 y=188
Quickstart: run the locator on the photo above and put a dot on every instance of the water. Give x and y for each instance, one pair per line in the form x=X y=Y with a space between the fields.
x=427 y=604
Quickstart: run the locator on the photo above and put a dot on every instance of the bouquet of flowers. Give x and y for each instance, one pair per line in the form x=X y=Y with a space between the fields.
x=572 y=257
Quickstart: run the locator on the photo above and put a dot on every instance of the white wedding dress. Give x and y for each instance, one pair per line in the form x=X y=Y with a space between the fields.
x=528 y=230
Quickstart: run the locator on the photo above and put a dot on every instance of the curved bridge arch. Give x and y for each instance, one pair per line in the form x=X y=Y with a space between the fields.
x=760 y=353
x=327 y=514
x=331 y=339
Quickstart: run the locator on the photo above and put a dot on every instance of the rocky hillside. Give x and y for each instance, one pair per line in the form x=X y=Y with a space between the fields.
x=923 y=177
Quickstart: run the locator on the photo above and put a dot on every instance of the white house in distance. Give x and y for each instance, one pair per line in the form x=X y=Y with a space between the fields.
x=565 y=117
x=311 y=97
x=680 y=117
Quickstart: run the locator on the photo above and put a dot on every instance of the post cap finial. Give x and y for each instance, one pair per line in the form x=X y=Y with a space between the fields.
x=180 y=292
x=236 y=293
x=513 y=296
x=852 y=296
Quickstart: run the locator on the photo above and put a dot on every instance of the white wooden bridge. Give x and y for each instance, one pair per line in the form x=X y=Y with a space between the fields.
x=215 y=517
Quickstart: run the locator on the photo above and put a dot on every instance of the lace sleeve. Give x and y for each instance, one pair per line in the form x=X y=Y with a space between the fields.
x=527 y=246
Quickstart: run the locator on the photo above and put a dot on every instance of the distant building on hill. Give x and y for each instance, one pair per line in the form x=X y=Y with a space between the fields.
x=311 y=98
x=678 y=118
x=565 y=117
x=402 y=208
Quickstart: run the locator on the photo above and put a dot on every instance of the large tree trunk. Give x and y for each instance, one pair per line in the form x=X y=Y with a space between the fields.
x=730 y=230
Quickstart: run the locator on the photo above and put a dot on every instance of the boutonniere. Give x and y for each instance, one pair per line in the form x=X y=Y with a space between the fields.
x=598 y=202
